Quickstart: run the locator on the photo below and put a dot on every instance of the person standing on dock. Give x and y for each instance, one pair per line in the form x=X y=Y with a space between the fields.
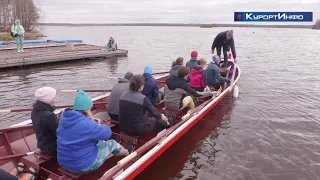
x=18 y=32
x=225 y=40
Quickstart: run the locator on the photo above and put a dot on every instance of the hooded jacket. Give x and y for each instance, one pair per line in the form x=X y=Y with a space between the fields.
x=174 y=70
x=151 y=88
x=221 y=40
x=114 y=98
x=198 y=78
x=175 y=90
x=77 y=139
x=192 y=63
x=45 y=124
x=17 y=29
x=213 y=75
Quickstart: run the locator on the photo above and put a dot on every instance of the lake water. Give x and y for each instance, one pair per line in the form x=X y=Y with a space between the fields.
x=271 y=132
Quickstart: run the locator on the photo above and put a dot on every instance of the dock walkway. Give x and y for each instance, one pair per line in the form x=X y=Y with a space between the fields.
x=52 y=52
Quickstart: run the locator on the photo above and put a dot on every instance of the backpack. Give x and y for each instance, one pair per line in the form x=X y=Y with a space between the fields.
x=12 y=33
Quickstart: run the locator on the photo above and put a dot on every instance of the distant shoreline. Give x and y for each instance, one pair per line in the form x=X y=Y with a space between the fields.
x=177 y=25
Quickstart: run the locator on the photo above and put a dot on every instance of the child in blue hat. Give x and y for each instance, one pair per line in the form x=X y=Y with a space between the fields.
x=82 y=145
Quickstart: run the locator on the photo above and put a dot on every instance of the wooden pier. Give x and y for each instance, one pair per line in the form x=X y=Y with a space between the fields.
x=52 y=52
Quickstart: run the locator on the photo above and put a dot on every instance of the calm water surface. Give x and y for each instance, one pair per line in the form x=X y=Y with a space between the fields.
x=271 y=132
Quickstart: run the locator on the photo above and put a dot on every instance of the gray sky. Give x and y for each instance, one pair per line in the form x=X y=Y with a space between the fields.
x=164 y=11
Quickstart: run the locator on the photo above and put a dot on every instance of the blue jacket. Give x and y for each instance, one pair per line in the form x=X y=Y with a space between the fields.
x=77 y=138
x=213 y=75
x=151 y=88
x=192 y=63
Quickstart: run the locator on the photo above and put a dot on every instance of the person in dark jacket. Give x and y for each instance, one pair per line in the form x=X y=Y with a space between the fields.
x=83 y=144
x=114 y=98
x=198 y=76
x=133 y=106
x=44 y=120
x=193 y=61
x=4 y=175
x=151 y=87
x=213 y=73
x=225 y=40
x=175 y=66
x=177 y=91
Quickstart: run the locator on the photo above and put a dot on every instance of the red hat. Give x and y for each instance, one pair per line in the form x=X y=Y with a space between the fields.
x=194 y=54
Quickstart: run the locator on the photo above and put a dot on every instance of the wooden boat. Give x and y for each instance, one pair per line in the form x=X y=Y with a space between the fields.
x=18 y=143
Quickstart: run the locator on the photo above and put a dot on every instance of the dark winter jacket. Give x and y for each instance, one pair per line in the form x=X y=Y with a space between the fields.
x=151 y=88
x=192 y=63
x=221 y=40
x=174 y=70
x=45 y=124
x=114 y=98
x=198 y=79
x=213 y=75
x=175 y=90
x=133 y=108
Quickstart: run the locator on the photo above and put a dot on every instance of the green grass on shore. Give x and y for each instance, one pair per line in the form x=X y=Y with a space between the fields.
x=5 y=36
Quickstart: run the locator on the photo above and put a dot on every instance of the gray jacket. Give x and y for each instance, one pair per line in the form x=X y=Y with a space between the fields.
x=114 y=98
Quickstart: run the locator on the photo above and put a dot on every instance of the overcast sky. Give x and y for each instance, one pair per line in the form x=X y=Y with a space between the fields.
x=163 y=11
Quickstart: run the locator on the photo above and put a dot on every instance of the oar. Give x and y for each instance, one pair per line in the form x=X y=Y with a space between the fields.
x=88 y=90
x=17 y=155
x=157 y=73
x=30 y=109
x=123 y=162
x=160 y=73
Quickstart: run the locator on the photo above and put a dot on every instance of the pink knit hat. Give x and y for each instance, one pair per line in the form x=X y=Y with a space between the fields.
x=45 y=94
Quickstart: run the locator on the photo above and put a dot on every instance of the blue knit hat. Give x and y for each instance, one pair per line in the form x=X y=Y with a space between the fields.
x=148 y=69
x=215 y=58
x=82 y=101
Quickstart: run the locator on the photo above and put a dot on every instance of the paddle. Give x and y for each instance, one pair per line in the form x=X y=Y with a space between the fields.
x=17 y=155
x=30 y=109
x=163 y=134
x=88 y=90
x=152 y=74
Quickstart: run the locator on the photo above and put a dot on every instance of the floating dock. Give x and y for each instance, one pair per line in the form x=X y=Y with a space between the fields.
x=52 y=52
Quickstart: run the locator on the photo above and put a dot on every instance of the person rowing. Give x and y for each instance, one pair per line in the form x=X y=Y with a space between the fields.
x=225 y=40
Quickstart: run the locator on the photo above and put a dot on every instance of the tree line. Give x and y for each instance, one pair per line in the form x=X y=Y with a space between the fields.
x=24 y=10
x=316 y=25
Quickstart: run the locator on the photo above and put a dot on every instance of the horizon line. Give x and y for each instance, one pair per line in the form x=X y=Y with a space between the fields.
x=209 y=25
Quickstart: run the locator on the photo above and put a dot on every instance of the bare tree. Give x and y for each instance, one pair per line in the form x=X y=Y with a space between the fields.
x=24 y=10
x=316 y=25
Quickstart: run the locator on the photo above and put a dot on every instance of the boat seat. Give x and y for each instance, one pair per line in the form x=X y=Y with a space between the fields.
x=104 y=117
x=44 y=156
x=65 y=172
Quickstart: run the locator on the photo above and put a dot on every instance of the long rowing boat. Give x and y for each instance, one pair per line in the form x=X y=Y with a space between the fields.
x=18 y=143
